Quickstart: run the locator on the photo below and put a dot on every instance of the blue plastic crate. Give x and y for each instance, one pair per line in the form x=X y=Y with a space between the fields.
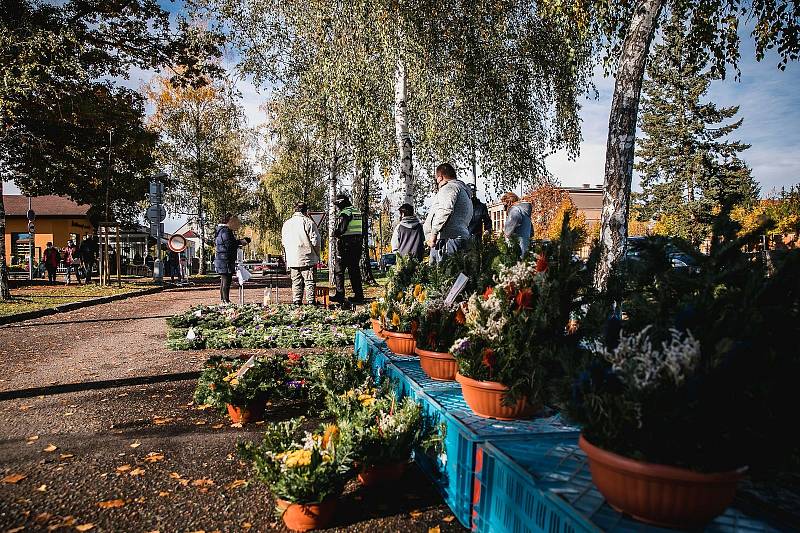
x=453 y=469
x=544 y=485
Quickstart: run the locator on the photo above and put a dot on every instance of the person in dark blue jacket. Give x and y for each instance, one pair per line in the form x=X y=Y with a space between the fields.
x=226 y=249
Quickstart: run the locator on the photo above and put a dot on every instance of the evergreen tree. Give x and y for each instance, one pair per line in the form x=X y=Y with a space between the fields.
x=688 y=166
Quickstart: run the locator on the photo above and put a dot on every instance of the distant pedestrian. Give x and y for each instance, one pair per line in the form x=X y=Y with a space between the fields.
x=226 y=248
x=72 y=260
x=51 y=260
x=408 y=238
x=349 y=234
x=518 y=221
x=301 y=243
x=481 y=222
x=88 y=252
x=174 y=269
x=446 y=227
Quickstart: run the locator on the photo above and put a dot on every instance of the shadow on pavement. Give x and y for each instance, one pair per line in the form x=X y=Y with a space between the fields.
x=96 y=385
x=87 y=321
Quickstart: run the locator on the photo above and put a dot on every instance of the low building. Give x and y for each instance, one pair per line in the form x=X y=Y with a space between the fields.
x=587 y=199
x=58 y=219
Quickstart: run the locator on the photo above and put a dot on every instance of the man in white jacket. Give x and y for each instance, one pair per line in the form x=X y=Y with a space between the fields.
x=446 y=227
x=301 y=243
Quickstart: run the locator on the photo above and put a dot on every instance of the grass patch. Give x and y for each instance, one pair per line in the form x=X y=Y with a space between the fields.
x=36 y=297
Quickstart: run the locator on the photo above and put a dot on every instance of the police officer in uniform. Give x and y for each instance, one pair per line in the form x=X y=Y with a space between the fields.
x=349 y=235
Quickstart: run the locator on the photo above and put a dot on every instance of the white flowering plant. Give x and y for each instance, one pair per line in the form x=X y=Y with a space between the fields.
x=303 y=470
x=701 y=373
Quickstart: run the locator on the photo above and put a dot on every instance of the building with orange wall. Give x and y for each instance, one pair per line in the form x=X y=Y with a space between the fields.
x=58 y=219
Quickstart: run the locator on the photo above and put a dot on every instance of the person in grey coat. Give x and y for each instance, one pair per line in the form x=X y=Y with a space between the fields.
x=301 y=243
x=408 y=238
x=447 y=225
x=226 y=248
x=518 y=221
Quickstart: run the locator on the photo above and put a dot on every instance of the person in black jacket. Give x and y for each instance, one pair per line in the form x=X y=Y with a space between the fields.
x=408 y=238
x=481 y=221
x=349 y=236
x=226 y=249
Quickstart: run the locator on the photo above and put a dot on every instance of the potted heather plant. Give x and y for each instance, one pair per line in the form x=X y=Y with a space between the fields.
x=380 y=435
x=679 y=397
x=306 y=476
x=510 y=361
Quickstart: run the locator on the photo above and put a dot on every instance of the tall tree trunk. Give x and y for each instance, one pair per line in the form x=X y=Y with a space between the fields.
x=404 y=144
x=333 y=180
x=621 y=141
x=202 y=223
x=365 y=170
x=5 y=292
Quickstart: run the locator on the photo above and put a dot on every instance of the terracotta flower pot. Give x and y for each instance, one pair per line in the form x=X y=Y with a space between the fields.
x=400 y=343
x=377 y=327
x=305 y=517
x=440 y=366
x=662 y=495
x=485 y=398
x=382 y=474
x=244 y=414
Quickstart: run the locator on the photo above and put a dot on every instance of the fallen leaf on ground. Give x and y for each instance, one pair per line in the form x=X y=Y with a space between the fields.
x=66 y=456
x=85 y=527
x=16 y=529
x=204 y=482
x=203 y=407
x=13 y=478
x=449 y=518
x=50 y=448
x=137 y=472
x=246 y=525
x=33 y=438
x=163 y=493
x=236 y=484
x=68 y=414
x=123 y=468
x=236 y=425
x=200 y=423
x=42 y=488
x=434 y=529
x=111 y=504
x=42 y=518
x=174 y=475
x=136 y=444
x=217 y=426
x=259 y=422
x=160 y=421
x=24 y=407
x=415 y=514
x=152 y=457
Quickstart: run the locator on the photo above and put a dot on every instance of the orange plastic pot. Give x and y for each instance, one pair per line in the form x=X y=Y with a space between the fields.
x=662 y=495
x=440 y=366
x=244 y=414
x=400 y=343
x=485 y=398
x=381 y=474
x=377 y=327
x=307 y=516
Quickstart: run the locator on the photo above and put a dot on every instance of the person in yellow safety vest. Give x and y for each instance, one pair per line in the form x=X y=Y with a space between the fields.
x=349 y=233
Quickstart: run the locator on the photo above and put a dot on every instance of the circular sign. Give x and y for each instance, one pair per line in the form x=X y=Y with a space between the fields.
x=177 y=243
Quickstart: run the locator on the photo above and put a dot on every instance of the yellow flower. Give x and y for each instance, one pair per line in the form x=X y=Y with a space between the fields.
x=229 y=377
x=298 y=458
x=331 y=434
x=417 y=290
x=373 y=308
x=400 y=296
x=234 y=382
x=422 y=296
x=395 y=319
x=366 y=402
x=360 y=364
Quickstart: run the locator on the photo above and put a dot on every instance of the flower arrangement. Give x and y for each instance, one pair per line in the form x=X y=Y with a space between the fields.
x=381 y=431
x=332 y=374
x=275 y=376
x=440 y=325
x=309 y=470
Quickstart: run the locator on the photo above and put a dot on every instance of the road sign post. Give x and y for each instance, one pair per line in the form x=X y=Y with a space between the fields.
x=155 y=215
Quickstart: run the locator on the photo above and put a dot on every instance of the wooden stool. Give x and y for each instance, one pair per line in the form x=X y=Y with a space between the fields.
x=324 y=293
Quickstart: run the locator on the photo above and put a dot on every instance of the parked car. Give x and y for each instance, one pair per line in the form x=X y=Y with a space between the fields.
x=389 y=260
x=273 y=264
x=678 y=258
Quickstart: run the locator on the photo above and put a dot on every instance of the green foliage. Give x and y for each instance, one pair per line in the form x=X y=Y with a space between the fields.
x=687 y=167
x=333 y=373
x=271 y=377
x=306 y=470
x=440 y=325
x=703 y=373
x=382 y=432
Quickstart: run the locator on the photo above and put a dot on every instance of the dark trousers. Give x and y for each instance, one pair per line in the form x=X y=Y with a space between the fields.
x=225 y=287
x=87 y=267
x=348 y=255
x=51 y=273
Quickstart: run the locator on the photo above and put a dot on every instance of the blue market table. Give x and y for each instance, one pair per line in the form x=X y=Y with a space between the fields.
x=521 y=476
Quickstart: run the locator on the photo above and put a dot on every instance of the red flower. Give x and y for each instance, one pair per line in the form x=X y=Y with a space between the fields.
x=461 y=318
x=488 y=292
x=294 y=356
x=542 y=264
x=524 y=299
x=489 y=358
x=510 y=289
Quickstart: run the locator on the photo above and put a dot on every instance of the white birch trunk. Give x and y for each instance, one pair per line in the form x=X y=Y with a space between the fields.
x=622 y=138
x=332 y=213
x=404 y=145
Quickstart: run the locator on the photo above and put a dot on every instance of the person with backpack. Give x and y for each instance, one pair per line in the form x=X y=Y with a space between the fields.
x=51 y=259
